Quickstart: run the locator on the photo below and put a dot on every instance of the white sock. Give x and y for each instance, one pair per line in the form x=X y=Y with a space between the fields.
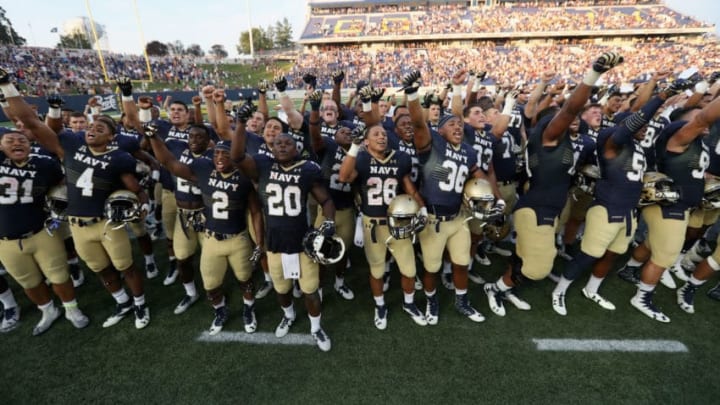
x=593 y=284
x=121 y=296
x=289 y=311
x=634 y=263
x=379 y=300
x=267 y=277
x=430 y=293
x=220 y=304
x=72 y=304
x=339 y=281
x=139 y=300
x=501 y=286
x=74 y=260
x=149 y=259
x=645 y=287
x=562 y=286
x=695 y=282
x=409 y=298
x=8 y=299
x=314 y=323
x=190 y=288
x=46 y=307
x=460 y=292
x=248 y=302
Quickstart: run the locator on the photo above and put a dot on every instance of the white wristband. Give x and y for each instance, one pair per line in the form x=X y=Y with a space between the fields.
x=353 y=151
x=9 y=90
x=145 y=115
x=509 y=107
x=127 y=98
x=457 y=89
x=367 y=106
x=591 y=77
x=145 y=207
x=412 y=96
x=54 y=112
x=476 y=86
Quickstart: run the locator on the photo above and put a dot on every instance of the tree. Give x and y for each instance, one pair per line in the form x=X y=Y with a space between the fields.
x=283 y=34
x=176 y=48
x=194 y=50
x=261 y=41
x=156 y=48
x=8 y=36
x=76 y=40
x=218 y=51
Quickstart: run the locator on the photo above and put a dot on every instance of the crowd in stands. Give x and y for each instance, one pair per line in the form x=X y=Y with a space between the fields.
x=524 y=18
x=507 y=64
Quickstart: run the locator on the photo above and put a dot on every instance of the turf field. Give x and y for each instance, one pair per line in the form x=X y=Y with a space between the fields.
x=456 y=361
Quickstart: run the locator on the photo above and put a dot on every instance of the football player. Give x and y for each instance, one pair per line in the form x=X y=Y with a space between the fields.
x=284 y=182
x=446 y=164
x=611 y=220
x=227 y=195
x=550 y=164
x=93 y=173
x=379 y=172
x=29 y=253
x=683 y=156
x=331 y=149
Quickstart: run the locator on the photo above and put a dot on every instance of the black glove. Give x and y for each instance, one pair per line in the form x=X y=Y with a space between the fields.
x=338 y=76
x=245 y=112
x=315 y=100
x=310 y=80
x=678 y=86
x=376 y=94
x=263 y=86
x=327 y=228
x=714 y=77
x=365 y=94
x=55 y=101
x=427 y=98
x=481 y=76
x=125 y=85
x=358 y=134
x=281 y=83
x=607 y=61
x=151 y=129
x=411 y=82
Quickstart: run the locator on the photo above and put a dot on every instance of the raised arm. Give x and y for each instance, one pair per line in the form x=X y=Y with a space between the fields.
x=223 y=126
x=646 y=90
x=411 y=84
x=197 y=109
x=348 y=173
x=53 y=119
x=456 y=102
x=572 y=107
x=685 y=135
x=245 y=163
x=295 y=119
x=337 y=77
x=315 y=137
x=163 y=155
x=534 y=98
x=262 y=89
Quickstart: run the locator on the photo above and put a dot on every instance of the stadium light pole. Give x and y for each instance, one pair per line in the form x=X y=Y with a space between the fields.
x=142 y=40
x=250 y=36
x=97 y=43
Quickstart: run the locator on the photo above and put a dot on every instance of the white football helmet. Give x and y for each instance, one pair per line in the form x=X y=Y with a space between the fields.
x=586 y=177
x=480 y=200
x=323 y=249
x=402 y=216
x=122 y=206
x=658 y=189
x=56 y=202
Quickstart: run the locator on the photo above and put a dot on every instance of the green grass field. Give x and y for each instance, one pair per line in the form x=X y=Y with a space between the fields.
x=457 y=361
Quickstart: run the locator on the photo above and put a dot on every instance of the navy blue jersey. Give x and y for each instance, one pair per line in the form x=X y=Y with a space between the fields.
x=253 y=142
x=394 y=142
x=302 y=141
x=91 y=178
x=379 y=180
x=607 y=122
x=387 y=123
x=584 y=150
x=330 y=159
x=127 y=142
x=687 y=169
x=225 y=197
x=516 y=123
x=22 y=194
x=483 y=142
x=283 y=193
x=37 y=150
x=184 y=189
x=131 y=132
x=621 y=180
x=654 y=128
x=713 y=143
x=444 y=170
x=504 y=158
x=550 y=171
x=328 y=130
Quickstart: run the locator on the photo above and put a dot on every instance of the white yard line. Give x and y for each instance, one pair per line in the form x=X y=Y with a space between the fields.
x=259 y=338
x=609 y=345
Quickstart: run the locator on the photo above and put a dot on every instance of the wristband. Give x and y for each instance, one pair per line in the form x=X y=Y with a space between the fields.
x=367 y=106
x=54 y=112
x=591 y=77
x=9 y=90
x=476 y=86
x=353 y=151
x=145 y=115
x=509 y=107
x=127 y=98
x=457 y=89
x=412 y=96
x=145 y=207
x=155 y=175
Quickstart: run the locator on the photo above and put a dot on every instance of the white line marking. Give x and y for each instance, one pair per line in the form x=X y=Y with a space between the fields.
x=610 y=345
x=259 y=338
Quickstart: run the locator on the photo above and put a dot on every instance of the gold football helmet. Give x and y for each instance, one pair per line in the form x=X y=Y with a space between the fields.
x=658 y=189
x=122 y=206
x=711 y=197
x=56 y=202
x=403 y=217
x=480 y=200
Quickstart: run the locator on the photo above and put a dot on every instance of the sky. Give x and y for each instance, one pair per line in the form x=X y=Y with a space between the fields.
x=205 y=22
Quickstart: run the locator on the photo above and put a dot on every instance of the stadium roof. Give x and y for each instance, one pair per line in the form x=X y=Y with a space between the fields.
x=361 y=3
